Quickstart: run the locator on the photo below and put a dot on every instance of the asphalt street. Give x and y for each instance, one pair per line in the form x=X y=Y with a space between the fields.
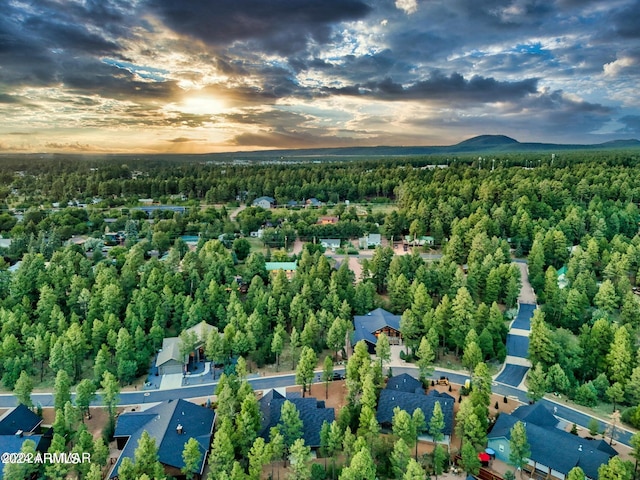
x=261 y=383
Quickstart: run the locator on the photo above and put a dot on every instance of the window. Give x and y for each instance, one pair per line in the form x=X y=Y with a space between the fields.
x=501 y=448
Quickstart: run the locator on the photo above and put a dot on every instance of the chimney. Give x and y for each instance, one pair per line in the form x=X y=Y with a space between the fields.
x=580 y=448
x=179 y=429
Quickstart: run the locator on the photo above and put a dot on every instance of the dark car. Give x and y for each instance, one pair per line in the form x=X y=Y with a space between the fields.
x=338 y=376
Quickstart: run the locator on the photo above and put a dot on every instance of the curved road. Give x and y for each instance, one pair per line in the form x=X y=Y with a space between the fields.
x=260 y=383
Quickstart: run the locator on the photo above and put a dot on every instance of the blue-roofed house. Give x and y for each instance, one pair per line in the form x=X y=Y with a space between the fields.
x=18 y=425
x=405 y=383
x=313 y=414
x=171 y=424
x=13 y=444
x=402 y=394
x=554 y=452
x=368 y=327
x=19 y=419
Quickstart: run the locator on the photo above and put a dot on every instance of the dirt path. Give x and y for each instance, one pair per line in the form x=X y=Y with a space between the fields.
x=298 y=245
x=526 y=292
x=234 y=214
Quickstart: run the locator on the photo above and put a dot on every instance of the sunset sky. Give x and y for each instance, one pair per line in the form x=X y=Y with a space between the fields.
x=191 y=76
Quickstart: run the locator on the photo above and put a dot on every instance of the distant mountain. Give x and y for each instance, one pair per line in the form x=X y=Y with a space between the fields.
x=479 y=144
x=486 y=141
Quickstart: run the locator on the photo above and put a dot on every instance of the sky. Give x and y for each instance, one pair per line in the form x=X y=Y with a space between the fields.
x=197 y=76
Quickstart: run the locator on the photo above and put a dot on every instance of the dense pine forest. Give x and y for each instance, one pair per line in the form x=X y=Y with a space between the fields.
x=76 y=315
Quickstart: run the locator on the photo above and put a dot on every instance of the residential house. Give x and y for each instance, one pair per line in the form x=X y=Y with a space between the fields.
x=328 y=220
x=331 y=243
x=405 y=383
x=169 y=359
x=313 y=203
x=171 y=424
x=264 y=202
x=313 y=414
x=419 y=241
x=554 y=452
x=371 y=240
x=562 y=277
x=288 y=267
x=407 y=394
x=368 y=327
x=18 y=425
x=19 y=419
x=151 y=209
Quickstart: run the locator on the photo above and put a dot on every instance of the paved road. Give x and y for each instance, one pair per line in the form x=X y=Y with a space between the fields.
x=261 y=383
x=523 y=320
x=517 y=346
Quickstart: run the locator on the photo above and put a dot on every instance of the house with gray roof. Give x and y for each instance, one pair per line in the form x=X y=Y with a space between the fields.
x=409 y=401
x=368 y=327
x=171 y=424
x=313 y=414
x=330 y=243
x=405 y=383
x=372 y=240
x=264 y=202
x=554 y=452
x=169 y=359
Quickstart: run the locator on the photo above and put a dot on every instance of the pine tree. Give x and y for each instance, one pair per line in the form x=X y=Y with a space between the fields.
x=541 y=348
x=519 y=446
x=304 y=372
x=290 y=424
x=436 y=424
x=191 y=456
x=403 y=426
x=400 y=458
x=23 y=388
x=383 y=349
x=61 y=389
x=222 y=452
x=300 y=454
x=470 y=461
x=536 y=383
x=439 y=459
x=85 y=393
x=619 y=359
x=361 y=467
x=414 y=471
x=576 y=473
x=258 y=458
x=426 y=357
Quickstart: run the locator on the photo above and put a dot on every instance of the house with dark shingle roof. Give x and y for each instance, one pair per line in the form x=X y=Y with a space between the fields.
x=171 y=424
x=18 y=425
x=554 y=452
x=405 y=383
x=368 y=327
x=19 y=419
x=313 y=414
x=398 y=393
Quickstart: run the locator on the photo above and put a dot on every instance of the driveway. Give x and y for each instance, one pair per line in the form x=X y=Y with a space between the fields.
x=512 y=375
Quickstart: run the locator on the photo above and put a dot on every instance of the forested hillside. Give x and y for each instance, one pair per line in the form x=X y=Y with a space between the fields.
x=85 y=311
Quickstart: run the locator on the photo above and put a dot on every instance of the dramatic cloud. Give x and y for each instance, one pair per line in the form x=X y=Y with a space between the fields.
x=438 y=87
x=197 y=76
